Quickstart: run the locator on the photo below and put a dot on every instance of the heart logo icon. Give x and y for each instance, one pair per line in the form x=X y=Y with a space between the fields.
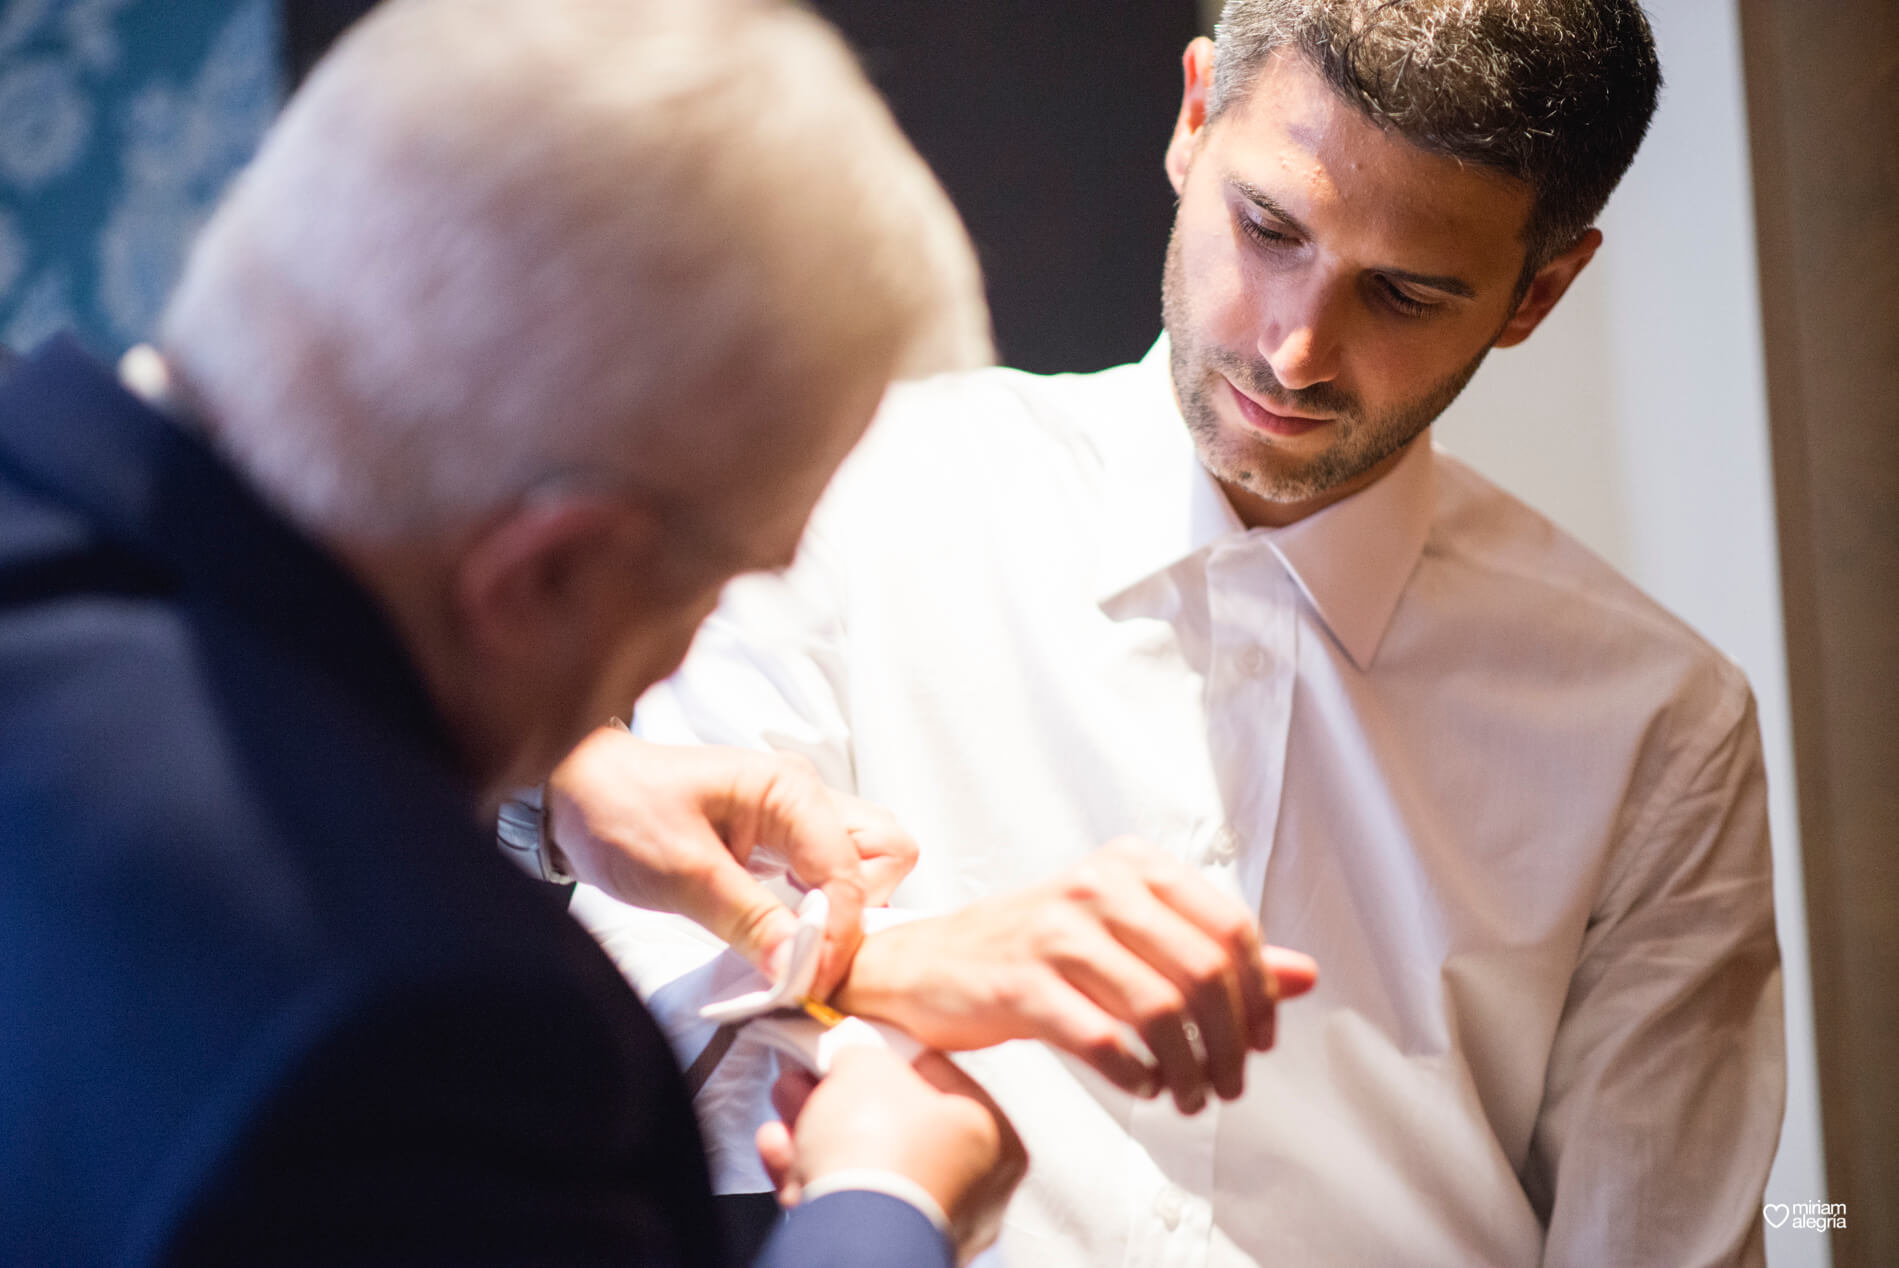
x=1775 y=1213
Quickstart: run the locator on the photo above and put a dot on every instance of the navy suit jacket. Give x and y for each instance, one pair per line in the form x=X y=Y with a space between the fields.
x=268 y=991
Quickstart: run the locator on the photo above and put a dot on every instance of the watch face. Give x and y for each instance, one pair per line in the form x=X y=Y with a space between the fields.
x=520 y=831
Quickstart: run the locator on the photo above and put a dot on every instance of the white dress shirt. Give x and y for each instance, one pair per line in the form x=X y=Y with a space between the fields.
x=1515 y=810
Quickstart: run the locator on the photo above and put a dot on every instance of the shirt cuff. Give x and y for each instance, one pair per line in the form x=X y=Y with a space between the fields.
x=889 y=1183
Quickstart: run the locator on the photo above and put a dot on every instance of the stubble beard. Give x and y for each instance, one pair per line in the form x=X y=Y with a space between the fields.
x=1252 y=461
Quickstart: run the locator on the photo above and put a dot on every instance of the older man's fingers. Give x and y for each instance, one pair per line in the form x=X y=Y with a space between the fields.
x=885 y=850
x=780 y=1156
x=779 y=802
x=730 y=902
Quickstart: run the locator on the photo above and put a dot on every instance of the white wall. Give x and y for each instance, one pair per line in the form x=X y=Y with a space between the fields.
x=1637 y=419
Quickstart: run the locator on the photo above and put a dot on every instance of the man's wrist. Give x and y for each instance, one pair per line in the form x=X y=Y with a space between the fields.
x=864 y=986
x=867 y=986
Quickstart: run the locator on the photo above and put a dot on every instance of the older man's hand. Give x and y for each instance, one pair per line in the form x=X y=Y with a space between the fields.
x=929 y=1123
x=675 y=828
x=1129 y=939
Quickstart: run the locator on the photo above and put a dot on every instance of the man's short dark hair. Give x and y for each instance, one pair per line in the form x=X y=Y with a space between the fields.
x=1555 y=93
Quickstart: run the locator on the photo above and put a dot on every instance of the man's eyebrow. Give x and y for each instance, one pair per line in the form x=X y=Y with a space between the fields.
x=1264 y=201
x=1431 y=281
x=1449 y=285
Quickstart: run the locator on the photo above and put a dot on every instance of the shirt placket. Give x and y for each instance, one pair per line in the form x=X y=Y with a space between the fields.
x=1252 y=606
x=1253 y=609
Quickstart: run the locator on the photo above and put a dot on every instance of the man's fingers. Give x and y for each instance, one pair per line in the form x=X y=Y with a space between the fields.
x=1132 y=990
x=843 y=933
x=791 y=1091
x=1203 y=973
x=778 y=802
x=776 y=1148
x=882 y=874
x=1071 y=1020
x=798 y=817
x=1292 y=972
x=1174 y=924
x=739 y=910
x=944 y=1075
x=1085 y=963
x=885 y=851
x=1220 y=917
x=1066 y=1017
x=780 y=1156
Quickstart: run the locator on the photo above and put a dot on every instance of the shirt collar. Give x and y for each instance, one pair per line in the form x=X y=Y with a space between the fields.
x=1352 y=560
x=1161 y=504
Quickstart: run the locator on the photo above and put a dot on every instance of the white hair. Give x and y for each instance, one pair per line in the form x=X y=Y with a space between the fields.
x=494 y=242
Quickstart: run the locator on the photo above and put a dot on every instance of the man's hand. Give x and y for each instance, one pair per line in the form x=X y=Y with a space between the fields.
x=673 y=829
x=928 y=1123
x=1129 y=938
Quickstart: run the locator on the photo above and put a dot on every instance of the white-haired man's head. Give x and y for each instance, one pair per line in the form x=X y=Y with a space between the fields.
x=504 y=265
x=492 y=242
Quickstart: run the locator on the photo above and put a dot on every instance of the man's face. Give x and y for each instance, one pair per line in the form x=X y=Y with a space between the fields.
x=563 y=609
x=1329 y=288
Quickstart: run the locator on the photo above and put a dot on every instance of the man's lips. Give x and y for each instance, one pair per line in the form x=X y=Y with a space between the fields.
x=1270 y=421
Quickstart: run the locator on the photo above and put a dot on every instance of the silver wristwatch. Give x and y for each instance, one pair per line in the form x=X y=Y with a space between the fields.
x=521 y=830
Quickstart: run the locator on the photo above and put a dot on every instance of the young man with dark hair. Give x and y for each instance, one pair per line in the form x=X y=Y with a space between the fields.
x=1232 y=600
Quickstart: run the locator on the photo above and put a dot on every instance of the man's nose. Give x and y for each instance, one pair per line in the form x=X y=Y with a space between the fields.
x=1304 y=340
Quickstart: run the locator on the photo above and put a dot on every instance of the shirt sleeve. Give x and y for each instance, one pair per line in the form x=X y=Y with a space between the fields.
x=767 y=669
x=1667 y=1082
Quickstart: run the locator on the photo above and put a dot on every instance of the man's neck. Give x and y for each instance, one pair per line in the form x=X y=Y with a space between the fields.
x=408 y=582
x=1256 y=511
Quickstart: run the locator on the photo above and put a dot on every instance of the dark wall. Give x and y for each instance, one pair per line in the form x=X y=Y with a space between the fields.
x=1045 y=119
x=310 y=26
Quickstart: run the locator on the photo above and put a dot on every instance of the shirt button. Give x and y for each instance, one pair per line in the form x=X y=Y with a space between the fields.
x=1169 y=1206
x=1223 y=848
x=1253 y=663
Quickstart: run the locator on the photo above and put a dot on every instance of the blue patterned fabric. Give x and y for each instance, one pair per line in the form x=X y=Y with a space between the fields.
x=120 y=122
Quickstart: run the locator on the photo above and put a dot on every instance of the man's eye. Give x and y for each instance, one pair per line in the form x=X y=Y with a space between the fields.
x=1260 y=233
x=1402 y=302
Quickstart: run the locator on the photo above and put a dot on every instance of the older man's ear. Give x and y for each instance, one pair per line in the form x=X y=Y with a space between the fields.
x=561 y=611
x=535 y=581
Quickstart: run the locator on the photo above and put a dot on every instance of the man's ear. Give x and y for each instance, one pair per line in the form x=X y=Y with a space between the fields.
x=551 y=572
x=1196 y=66
x=1546 y=288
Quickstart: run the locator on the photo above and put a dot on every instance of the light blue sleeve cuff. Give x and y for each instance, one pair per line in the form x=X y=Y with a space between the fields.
x=877 y=1180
